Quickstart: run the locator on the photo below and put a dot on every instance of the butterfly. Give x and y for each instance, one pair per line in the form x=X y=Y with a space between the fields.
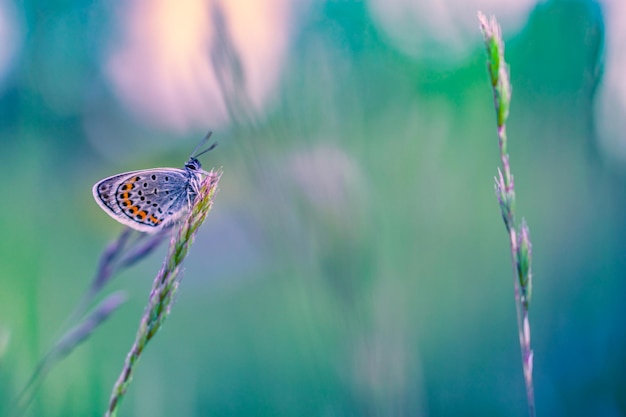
x=150 y=200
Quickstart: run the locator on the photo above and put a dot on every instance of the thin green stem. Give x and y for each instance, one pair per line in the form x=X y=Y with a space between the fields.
x=164 y=287
x=519 y=237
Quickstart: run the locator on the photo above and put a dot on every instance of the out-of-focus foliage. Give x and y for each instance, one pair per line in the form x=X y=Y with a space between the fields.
x=355 y=261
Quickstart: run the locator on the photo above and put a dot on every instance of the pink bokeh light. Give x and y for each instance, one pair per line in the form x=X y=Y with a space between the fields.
x=160 y=66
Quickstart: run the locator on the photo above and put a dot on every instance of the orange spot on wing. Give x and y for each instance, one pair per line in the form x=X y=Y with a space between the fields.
x=125 y=197
x=154 y=219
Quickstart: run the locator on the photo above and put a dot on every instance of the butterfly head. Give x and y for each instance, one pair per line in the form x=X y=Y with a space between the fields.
x=193 y=164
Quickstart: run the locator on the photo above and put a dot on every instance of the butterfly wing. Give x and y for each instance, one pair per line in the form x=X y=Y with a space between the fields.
x=145 y=200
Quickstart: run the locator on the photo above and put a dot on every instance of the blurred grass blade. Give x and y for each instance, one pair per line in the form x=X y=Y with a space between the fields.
x=66 y=344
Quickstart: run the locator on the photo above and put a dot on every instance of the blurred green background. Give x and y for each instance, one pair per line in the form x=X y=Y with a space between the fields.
x=355 y=262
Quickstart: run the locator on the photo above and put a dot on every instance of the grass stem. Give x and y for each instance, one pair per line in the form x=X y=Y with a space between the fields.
x=165 y=286
x=519 y=235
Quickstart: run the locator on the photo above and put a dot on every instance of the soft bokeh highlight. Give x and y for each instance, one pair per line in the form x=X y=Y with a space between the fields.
x=161 y=63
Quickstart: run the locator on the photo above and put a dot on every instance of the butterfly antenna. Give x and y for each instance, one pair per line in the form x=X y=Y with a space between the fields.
x=213 y=145
x=204 y=140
